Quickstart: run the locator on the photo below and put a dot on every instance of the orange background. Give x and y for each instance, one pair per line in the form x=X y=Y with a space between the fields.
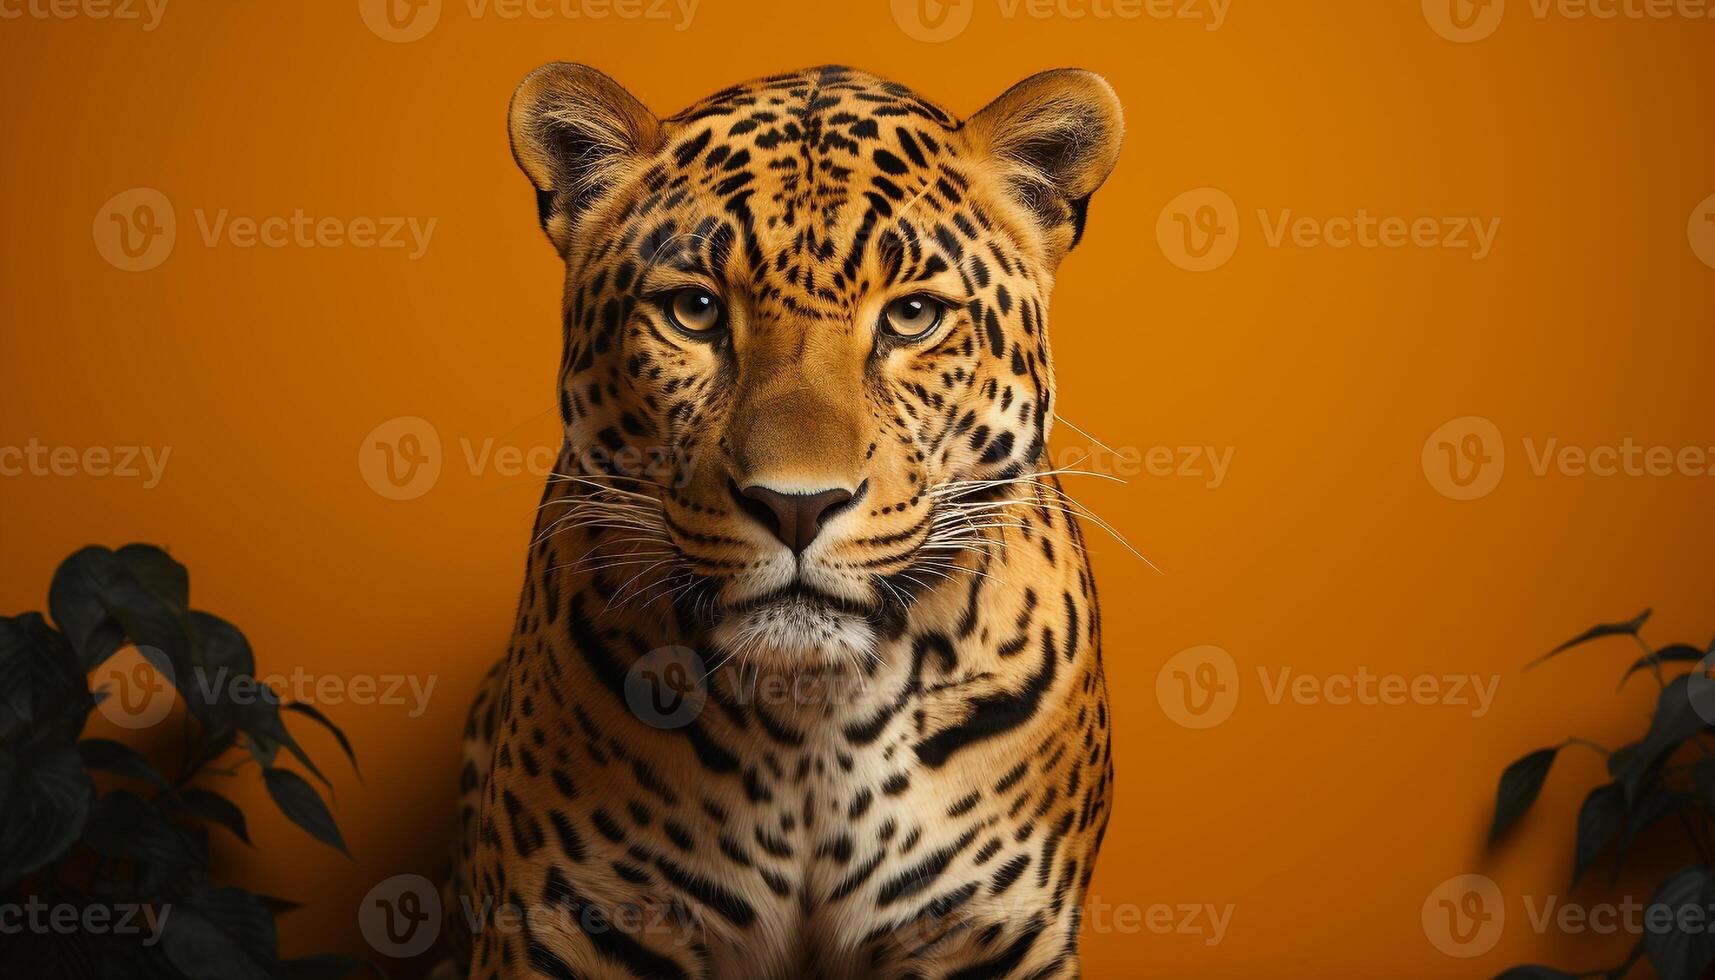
x=1326 y=549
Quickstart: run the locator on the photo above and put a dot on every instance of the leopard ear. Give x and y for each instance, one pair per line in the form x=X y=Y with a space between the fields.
x=576 y=133
x=1056 y=136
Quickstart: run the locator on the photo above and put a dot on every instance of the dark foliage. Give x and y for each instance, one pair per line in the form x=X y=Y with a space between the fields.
x=119 y=885
x=1664 y=782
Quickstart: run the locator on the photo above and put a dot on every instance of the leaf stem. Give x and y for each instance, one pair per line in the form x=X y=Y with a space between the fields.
x=1654 y=661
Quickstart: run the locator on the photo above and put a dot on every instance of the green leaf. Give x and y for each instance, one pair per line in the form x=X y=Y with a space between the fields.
x=301 y=804
x=17 y=662
x=214 y=808
x=153 y=622
x=222 y=644
x=257 y=714
x=156 y=571
x=223 y=698
x=230 y=695
x=1680 y=712
x=1518 y=789
x=1675 y=653
x=311 y=711
x=268 y=733
x=98 y=598
x=1628 y=628
x=1682 y=955
x=227 y=691
x=44 y=800
x=75 y=599
x=44 y=688
x=123 y=825
x=1599 y=820
x=106 y=755
x=221 y=934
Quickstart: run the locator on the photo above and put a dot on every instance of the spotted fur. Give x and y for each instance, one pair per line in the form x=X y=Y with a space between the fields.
x=900 y=766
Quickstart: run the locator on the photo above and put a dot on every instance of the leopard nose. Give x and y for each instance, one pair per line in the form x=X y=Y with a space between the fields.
x=795 y=518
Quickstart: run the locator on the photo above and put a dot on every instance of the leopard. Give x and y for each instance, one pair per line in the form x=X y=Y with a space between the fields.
x=805 y=678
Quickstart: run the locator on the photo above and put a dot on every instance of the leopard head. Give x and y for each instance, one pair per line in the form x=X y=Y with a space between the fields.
x=800 y=317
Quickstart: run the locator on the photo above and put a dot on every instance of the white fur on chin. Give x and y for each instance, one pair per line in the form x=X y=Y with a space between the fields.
x=793 y=630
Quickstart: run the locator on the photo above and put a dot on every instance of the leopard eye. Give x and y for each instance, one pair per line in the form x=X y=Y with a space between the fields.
x=913 y=316
x=695 y=310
